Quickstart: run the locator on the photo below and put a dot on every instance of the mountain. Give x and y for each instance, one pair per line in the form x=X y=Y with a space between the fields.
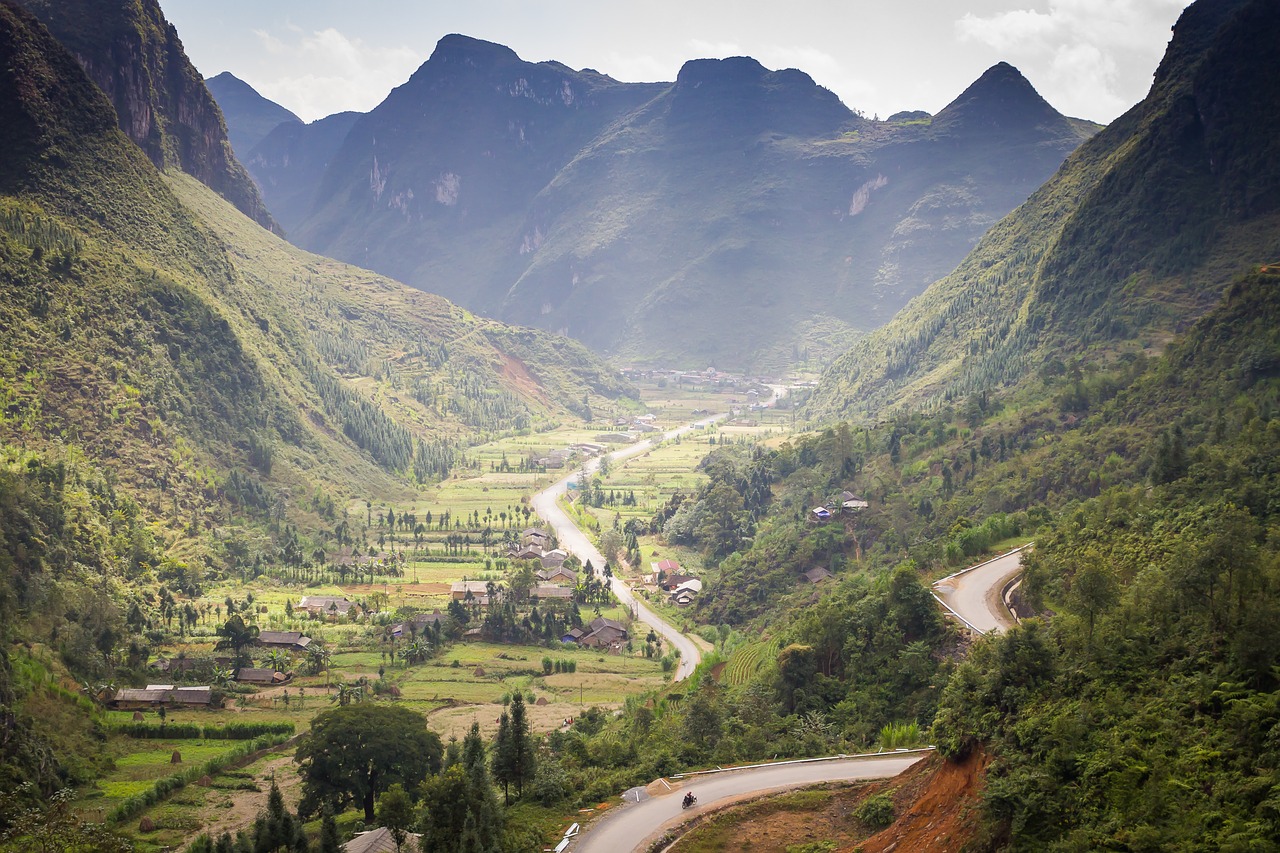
x=164 y=335
x=735 y=216
x=288 y=162
x=248 y=115
x=1139 y=233
x=135 y=56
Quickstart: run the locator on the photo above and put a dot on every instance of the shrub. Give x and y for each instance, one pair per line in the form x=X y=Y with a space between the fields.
x=876 y=811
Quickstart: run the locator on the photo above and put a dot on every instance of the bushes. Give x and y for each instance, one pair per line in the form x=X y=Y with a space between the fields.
x=876 y=811
x=192 y=731
x=248 y=731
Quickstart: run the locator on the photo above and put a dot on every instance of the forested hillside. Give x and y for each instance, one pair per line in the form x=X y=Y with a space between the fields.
x=1137 y=234
x=178 y=382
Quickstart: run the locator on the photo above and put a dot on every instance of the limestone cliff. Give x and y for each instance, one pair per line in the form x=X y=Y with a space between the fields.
x=135 y=56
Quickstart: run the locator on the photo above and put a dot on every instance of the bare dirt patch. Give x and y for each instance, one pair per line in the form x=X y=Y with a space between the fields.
x=517 y=375
x=231 y=811
x=457 y=721
x=934 y=801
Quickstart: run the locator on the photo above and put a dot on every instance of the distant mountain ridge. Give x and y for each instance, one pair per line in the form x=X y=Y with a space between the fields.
x=135 y=56
x=249 y=116
x=737 y=216
x=1138 y=234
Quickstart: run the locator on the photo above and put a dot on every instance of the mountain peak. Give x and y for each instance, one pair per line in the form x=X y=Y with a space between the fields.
x=999 y=101
x=459 y=48
x=724 y=72
x=743 y=93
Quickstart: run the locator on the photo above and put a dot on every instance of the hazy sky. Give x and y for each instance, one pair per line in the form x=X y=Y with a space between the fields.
x=1089 y=58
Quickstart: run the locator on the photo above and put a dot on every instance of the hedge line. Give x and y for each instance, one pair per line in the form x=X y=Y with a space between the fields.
x=169 y=785
x=191 y=731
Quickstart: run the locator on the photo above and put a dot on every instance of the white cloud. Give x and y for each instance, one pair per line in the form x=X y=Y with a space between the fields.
x=329 y=72
x=701 y=49
x=1086 y=56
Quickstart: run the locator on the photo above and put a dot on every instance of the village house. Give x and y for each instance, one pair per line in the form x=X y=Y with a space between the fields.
x=683 y=597
x=604 y=633
x=821 y=513
x=265 y=677
x=553 y=558
x=673 y=582
x=850 y=502
x=419 y=622
x=545 y=591
x=479 y=591
x=325 y=605
x=380 y=840
x=292 y=640
x=157 y=695
x=537 y=537
x=817 y=574
x=559 y=574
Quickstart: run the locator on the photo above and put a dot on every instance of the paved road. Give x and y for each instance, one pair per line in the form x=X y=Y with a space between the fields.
x=632 y=826
x=974 y=594
x=573 y=540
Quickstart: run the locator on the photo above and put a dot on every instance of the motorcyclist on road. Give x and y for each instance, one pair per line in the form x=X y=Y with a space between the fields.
x=689 y=799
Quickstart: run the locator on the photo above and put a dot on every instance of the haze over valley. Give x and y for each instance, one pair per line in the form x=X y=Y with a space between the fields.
x=550 y=457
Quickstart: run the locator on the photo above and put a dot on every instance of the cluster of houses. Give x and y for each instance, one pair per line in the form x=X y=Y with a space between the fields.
x=563 y=456
x=710 y=377
x=848 y=502
x=554 y=578
x=681 y=589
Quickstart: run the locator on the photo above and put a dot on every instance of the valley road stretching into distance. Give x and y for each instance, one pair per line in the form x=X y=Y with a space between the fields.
x=573 y=540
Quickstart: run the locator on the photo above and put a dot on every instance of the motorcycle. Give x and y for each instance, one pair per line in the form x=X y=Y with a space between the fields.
x=689 y=800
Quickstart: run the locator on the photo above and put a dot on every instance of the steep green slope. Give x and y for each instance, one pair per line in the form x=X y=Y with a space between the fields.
x=134 y=55
x=1137 y=234
x=248 y=115
x=735 y=216
x=176 y=382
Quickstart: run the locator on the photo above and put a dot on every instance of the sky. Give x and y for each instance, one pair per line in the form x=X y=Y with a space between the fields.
x=1089 y=58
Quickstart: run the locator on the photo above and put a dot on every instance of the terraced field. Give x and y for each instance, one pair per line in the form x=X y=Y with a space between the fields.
x=746 y=661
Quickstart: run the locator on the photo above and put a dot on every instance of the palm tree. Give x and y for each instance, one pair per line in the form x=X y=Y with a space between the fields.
x=277 y=660
x=222 y=678
x=236 y=635
x=318 y=656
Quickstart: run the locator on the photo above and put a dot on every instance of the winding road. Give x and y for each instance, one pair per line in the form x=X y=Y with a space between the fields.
x=974 y=594
x=634 y=826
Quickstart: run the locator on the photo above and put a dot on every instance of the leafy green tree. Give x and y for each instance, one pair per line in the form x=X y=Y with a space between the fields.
x=356 y=752
x=53 y=827
x=395 y=812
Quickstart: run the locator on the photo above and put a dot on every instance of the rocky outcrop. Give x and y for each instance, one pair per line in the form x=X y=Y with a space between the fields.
x=135 y=56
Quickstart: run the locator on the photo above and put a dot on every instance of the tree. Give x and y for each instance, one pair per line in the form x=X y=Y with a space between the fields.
x=460 y=813
x=54 y=827
x=356 y=752
x=329 y=834
x=395 y=812
x=237 y=636
x=514 y=760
